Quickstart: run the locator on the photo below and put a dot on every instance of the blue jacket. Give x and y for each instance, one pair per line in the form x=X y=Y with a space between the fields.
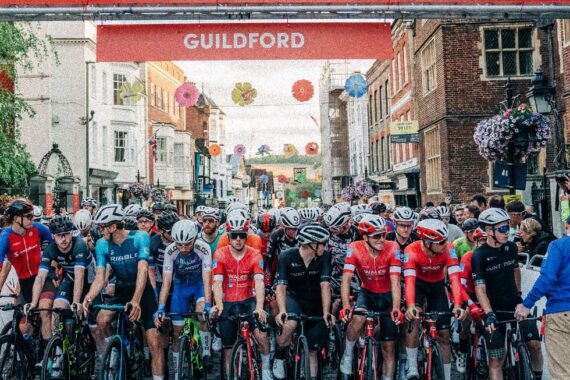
x=554 y=279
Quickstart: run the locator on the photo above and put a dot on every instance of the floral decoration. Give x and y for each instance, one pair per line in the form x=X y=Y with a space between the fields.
x=282 y=178
x=312 y=148
x=360 y=189
x=158 y=195
x=239 y=150
x=305 y=194
x=187 y=94
x=264 y=150
x=243 y=94
x=215 y=150
x=303 y=90
x=526 y=131
x=356 y=86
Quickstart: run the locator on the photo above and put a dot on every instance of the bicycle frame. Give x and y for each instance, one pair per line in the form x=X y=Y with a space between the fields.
x=428 y=335
x=119 y=329
x=369 y=325
x=191 y=330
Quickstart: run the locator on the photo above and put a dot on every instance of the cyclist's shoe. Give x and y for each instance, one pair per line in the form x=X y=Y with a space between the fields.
x=266 y=374
x=278 y=369
x=346 y=365
x=461 y=362
x=412 y=373
x=216 y=344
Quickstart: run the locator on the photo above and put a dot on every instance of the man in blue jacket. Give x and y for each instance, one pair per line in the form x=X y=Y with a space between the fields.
x=554 y=284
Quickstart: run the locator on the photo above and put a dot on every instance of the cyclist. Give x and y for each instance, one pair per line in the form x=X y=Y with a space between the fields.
x=145 y=221
x=238 y=288
x=253 y=240
x=377 y=263
x=157 y=208
x=38 y=212
x=89 y=204
x=127 y=254
x=497 y=279
x=132 y=210
x=281 y=240
x=424 y=265
x=303 y=288
x=404 y=233
x=468 y=242
x=459 y=214
x=84 y=225
x=187 y=268
x=210 y=233
x=308 y=215
x=454 y=232
x=158 y=244
x=380 y=209
x=198 y=214
x=266 y=223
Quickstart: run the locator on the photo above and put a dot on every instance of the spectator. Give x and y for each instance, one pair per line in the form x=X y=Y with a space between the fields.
x=517 y=213
x=458 y=214
x=429 y=204
x=479 y=201
x=471 y=212
x=554 y=284
x=497 y=201
x=534 y=240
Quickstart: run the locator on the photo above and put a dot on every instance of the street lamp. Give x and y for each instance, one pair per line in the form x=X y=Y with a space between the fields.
x=540 y=94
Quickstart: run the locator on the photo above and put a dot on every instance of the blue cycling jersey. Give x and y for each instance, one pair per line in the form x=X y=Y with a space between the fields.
x=188 y=268
x=124 y=258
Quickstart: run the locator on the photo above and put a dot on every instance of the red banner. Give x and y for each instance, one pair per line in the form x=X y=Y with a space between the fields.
x=75 y=202
x=52 y=3
x=253 y=41
x=49 y=204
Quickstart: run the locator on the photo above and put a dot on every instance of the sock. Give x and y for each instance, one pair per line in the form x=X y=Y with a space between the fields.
x=349 y=347
x=206 y=338
x=265 y=361
x=537 y=375
x=412 y=354
x=157 y=377
x=280 y=352
x=447 y=370
x=146 y=353
x=386 y=377
x=175 y=355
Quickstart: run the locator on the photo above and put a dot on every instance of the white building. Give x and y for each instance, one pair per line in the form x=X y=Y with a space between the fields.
x=357 y=117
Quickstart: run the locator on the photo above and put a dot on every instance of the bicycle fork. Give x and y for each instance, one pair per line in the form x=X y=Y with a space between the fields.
x=246 y=335
x=428 y=347
x=369 y=333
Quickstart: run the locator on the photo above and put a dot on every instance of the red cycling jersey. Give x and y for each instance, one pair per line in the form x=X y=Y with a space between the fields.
x=374 y=272
x=237 y=276
x=417 y=264
x=466 y=276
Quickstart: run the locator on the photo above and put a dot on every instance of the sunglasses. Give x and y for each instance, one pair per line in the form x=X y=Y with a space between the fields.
x=166 y=232
x=184 y=245
x=62 y=235
x=209 y=220
x=28 y=216
x=237 y=235
x=378 y=236
x=401 y=225
x=145 y=221
x=503 y=229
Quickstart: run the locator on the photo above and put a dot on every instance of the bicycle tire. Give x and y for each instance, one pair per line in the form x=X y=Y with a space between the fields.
x=49 y=360
x=7 y=328
x=371 y=363
x=524 y=368
x=238 y=361
x=185 y=364
x=85 y=351
x=437 y=372
x=136 y=352
x=112 y=367
x=301 y=362
x=10 y=366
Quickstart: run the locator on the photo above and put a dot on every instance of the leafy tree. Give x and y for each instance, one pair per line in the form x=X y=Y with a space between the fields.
x=19 y=45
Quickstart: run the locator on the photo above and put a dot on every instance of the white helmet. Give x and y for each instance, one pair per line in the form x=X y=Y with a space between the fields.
x=212 y=213
x=184 y=231
x=360 y=209
x=82 y=219
x=308 y=215
x=371 y=224
x=236 y=221
x=338 y=215
x=443 y=211
x=200 y=208
x=312 y=233
x=290 y=218
x=233 y=200
x=236 y=206
x=108 y=214
x=37 y=212
x=404 y=214
x=320 y=212
x=493 y=216
x=132 y=210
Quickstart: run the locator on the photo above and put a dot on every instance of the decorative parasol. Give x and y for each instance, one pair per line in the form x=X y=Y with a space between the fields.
x=131 y=92
x=264 y=178
x=239 y=150
x=243 y=94
x=282 y=178
x=356 y=86
x=302 y=90
x=263 y=150
x=215 y=150
x=187 y=94
x=312 y=148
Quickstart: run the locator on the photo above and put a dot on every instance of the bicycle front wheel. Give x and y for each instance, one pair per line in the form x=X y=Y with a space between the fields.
x=55 y=363
x=12 y=359
x=301 y=360
x=371 y=362
x=239 y=363
x=437 y=372
x=113 y=363
x=524 y=369
x=185 y=363
x=136 y=352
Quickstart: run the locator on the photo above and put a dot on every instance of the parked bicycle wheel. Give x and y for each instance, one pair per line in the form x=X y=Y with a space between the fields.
x=112 y=364
x=301 y=360
x=186 y=370
x=55 y=363
x=12 y=359
x=437 y=372
x=524 y=368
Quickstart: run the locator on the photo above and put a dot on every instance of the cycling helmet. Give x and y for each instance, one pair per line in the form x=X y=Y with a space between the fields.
x=236 y=222
x=416 y=219
x=130 y=223
x=132 y=210
x=158 y=206
x=82 y=220
x=243 y=212
x=433 y=230
x=211 y=213
x=429 y=213
x=61 y=224
x=170 y=207
x=361 y=209
x=38 y=212
x=493 y=216
x=234 y=200
x=320 y=212
x=19 y=207
x=358 y=218
x=145 y=213
x=469 y=224
x=184 y=231
x=404 y=214
x=275 y=212
x=371 y=224
x=266 y=221
x=236 y=206
x=378 y=207
x=479 y=233
x=308 y=215
x=88 y=202
x=338 y=215
x=200 y=208
x=166 y=220
x=109 y=214
x=312 y=233
x=290 y=218
x=443 y=211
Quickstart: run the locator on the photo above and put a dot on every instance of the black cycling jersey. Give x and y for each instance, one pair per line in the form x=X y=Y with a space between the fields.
x=157 y=249
x=78 y=256
x=278 y=243
x=494 y=268
x=338 y=245
x=303 y=282
x=391 y=236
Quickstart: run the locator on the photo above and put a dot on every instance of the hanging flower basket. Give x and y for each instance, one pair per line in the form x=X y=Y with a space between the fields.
x=513 y=134
x=360 y=189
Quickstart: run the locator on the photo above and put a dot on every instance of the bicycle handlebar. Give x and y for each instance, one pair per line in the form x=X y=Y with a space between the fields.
x=117 y=307
x=303 y=317
x=372 y=314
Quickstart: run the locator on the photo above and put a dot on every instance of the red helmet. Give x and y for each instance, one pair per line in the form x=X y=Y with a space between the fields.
x=432 y=230
x=266 y=221
x=371 y=224
x=479 y=233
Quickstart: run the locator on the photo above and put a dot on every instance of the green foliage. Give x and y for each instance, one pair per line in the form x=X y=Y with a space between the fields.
x=16 y=166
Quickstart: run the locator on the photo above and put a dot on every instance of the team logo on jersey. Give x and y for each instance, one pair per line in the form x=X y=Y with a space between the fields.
x=452 y=253
x=406 y=258
x=462 y=266
x=214 y=264
x=261 y=263
x=349 y=252
x=398 y=255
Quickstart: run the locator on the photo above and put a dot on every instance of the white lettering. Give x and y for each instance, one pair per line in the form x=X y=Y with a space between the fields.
x=297 y=40
x=225 y=43
x=253 y=37
x=264 y=43
x=210 y=41
x=240 y=40
x=294 y=40
x=282 y=40
x=190 y=41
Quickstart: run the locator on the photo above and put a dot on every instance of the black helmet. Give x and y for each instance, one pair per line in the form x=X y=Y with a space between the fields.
x=130 y=223
x=61 y=224
x=470 y=224
x=158 y=206
x=166 y=220
x=18 y=207
x=378 y=207
x=145 y=213
x=170 y=207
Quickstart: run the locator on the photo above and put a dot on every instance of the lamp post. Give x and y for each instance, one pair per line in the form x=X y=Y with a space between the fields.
x=86 y=120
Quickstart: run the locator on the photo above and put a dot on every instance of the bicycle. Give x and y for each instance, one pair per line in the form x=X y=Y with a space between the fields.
x=70 y=353
x=18 y=354
x=124 y=352
x=330 y=354
x=190 y=364
x=477 y=362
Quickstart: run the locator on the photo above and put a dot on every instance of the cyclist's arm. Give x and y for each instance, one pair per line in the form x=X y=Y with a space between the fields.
x=152 y=273
x=143 y=245
x=258 y=278
x=326 y=297
x=44 y=232
x=481 y=292
x=345 y=288
x=101 y=250
x=282 y=282
x=410 y=279
x=38 y=286
x=396 y=291
x=165 y=289
x=217 y=287
x=79 y=276
x=205 y=253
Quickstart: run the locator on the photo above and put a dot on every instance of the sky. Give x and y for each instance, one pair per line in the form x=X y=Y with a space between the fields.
x=275 y=117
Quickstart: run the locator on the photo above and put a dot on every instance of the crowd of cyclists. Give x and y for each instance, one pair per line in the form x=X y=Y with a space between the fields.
x=271 y=268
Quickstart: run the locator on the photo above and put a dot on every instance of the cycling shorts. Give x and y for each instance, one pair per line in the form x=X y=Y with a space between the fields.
x=182 y=296
x=381 y=302
x=496 y=341
x=229 y=329
x=435 y=295
x=315 y=331
x=148 y=303
x=26 y=290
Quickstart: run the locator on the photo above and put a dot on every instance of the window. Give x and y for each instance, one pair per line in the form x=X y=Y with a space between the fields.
x=428 y=58
x=371 y=121
x=380 y=104
x=565 y=26
x=374 y=104
x=179 y=156
x=159 y=98
x=153 y=95
x=508 y=51
x=386 y=97
x=433 y=159
x=118 y=80
x=394 y=79
x=104 y=142
x=405 y=52
x=166 y=102
x=399 y=71
x=161 y=149
x=94 y=142
x=120 y=146
x=104 y=89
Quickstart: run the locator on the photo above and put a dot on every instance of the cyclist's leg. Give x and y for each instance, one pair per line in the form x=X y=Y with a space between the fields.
x=46 y=301
x=25 y=297
x=388 y=335
x=438 y=301
x=412 y=337
x=530 y=334
x=316 y=332
x=353 y=330
x=496 y=352
x=63 y=298
x=148 y=307
x=205 y=335
x=228 y=332
x=180 y=303
x=261 y=337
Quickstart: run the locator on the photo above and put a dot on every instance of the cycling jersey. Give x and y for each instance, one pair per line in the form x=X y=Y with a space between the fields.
x=338 y=247
x=467 y=275
x=78 y=257
x=24 y=251
x=417 y=264
x=252 y=241
x=188 y=268
x=391 y=236
x=156 y=258
x=374 y=272
x=303 y=282
x=214 y=243
x=462 y=246
x=237 y=276
x=124 y=258
x=494 y=268
x=278 y=242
